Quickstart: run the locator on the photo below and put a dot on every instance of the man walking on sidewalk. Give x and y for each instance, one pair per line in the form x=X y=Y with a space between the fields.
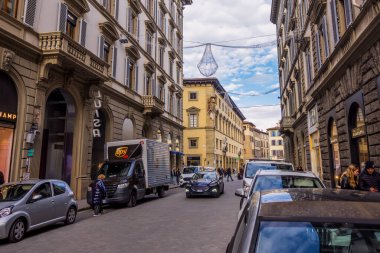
x=229 y=175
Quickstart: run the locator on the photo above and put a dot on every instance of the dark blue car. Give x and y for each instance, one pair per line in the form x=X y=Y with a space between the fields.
x=208 y=183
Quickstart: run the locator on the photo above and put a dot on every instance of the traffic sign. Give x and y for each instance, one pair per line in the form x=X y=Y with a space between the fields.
x=30 y=152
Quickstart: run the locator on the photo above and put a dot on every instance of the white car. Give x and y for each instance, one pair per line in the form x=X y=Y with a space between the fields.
x=252 y=166
x=187 y=173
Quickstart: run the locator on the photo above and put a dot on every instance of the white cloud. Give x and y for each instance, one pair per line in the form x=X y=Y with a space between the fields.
x=234 y=98
x=232 y=87
x=262 y=117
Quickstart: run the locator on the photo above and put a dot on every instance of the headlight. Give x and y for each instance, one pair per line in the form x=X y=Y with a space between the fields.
x=6 y=211
x=122 y=186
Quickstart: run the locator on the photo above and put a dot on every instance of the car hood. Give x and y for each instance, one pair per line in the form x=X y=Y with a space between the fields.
x=6 y=204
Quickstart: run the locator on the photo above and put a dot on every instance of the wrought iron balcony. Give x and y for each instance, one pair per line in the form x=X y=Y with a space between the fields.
x=286 y=124
x=58 y=48
x=152 y=105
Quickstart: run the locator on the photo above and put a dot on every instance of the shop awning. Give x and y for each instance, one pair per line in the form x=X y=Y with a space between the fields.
x=176 y=152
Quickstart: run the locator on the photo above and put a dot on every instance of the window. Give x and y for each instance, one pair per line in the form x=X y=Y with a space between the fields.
x=148 y=84
x=171 y=98
x=131 y=74
x=161 y=55
x=308 y=67
x=178 y=74
x=216 y=143
x=44 y=190
x=149 y=42
x=273 y=152
x=161 y=92
x=9 y=7
x=150 y=7
x=179 y=109
x=133 y=24
x=59 y=188
x=273 y=143
x=280 y=142
x=171 y=67
x=193 y=96
x=193 y=143
x=162 y=20
x=193 y=120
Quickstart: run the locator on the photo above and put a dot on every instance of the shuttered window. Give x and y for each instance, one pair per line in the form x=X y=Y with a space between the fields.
x=325 y=36
x=318 y=50
x=30 y=11
x=62 y=17
x=83 y=29
x=334 y=21
x=114 y=61
x=348 y=12
x=116 y=9
x=127 y=73
x=136 y=77
x=101 y=47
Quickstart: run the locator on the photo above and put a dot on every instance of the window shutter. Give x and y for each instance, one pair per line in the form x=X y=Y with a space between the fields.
x=126 y=78
x=129 y=20
x=334 y=21
x=325 y=36
x=348 y=12
x=138 y=29
x=114 y=61
x=165 y=27
x=101 y=47
x=105 y=3
x=155 y=10
x=318 y=48
x=62 y=15
x=30 y=12
x=301 y=13
x=154 y=91
x=83 y=28
x=136 y=77
x=116 y=9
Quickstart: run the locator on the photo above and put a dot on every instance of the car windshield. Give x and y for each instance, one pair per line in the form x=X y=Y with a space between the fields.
x=115 y=169
x=252 y=168
x=280 y=182
x=189 y=170
x=308 y=237
x=14 y=192
x=206 y=176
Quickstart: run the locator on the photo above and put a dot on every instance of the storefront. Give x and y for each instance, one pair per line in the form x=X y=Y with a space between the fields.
x=335 y=166
x=8 y=118
x=358 y=135
x=315 y=153
x=193 y=160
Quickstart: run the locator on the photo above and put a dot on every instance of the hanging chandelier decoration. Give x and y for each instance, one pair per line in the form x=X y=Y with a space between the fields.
x=207 y=66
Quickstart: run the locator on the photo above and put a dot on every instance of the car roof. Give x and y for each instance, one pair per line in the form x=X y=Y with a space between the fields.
x=32 y=181
x=319 y=204
x=268 y=161
x=285 y=173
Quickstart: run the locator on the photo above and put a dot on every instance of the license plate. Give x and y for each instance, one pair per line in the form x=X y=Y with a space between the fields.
x=199 y=190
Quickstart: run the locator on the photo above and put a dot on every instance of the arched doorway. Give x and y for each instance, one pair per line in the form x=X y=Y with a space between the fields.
x=335 y=168
x=358 y=135
x=8 y=118
x=57 y=141
x=98 y=144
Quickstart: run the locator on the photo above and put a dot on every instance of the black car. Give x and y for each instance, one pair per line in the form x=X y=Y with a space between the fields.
x=207 y=183
x=309 y=221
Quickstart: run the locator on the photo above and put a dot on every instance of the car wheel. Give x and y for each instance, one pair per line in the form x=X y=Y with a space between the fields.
x=71 y=215
x=132 y=200
x=188 y=195
x=161 y=192
x=17 y=231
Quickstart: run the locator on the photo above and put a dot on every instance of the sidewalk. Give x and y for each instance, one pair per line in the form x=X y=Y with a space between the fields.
x=82 y=203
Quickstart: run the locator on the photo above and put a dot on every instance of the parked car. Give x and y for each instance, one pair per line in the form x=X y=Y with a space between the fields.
x=277 y=179
x=309 y=221
x=205 y=184
x=32 y=204
x=252 y=166
x=187 y=173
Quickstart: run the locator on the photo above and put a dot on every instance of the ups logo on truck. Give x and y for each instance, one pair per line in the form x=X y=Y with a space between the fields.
x=121 y=152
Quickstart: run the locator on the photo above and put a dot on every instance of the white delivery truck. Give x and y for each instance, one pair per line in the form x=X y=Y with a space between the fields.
x=133 y=169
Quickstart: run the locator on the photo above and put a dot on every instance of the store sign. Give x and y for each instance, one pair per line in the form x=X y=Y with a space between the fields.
x=359 y=131
x=8 y=116
x=97 y=122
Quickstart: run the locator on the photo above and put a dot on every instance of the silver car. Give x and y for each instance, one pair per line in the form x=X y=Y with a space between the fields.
x=32 y=204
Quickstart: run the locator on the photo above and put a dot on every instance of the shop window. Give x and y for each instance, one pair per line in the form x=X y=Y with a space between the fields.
x=334 y=152
x=359 y=147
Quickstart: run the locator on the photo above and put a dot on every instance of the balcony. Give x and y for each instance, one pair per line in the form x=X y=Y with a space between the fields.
x=286 y=124
x=152 y=105
x=59 y=49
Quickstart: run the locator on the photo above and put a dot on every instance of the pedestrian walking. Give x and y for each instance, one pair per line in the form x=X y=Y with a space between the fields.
x=2 y=180
x=98 y=193
x=178 y=174
x=349 y=178
x=229 y=175
x=369 y=179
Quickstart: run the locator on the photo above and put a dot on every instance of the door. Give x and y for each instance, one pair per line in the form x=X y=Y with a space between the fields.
x=6 y=144
x=41 y=210
x=140 y=180
x=61 y=198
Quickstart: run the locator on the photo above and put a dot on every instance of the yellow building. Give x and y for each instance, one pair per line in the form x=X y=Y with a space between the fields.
x=213 y=134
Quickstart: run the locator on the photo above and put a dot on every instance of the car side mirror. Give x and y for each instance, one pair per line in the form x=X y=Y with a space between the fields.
x=240 y=193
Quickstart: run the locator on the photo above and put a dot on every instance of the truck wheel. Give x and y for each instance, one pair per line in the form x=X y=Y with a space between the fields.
x=161 y=192
x=132 y=200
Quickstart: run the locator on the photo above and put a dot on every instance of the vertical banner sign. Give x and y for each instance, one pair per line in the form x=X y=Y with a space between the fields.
x=96 y=122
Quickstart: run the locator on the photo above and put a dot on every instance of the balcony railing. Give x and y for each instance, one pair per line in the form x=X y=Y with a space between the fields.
x=73 y=54
x=152 y=105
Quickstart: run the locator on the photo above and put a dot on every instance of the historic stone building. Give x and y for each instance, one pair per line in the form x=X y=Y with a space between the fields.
x=256 y=145
x=76 y=74
x=329 y=54
x=213 y=134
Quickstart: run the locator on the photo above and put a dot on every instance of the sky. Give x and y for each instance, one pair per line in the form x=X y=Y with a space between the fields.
x=249 y=75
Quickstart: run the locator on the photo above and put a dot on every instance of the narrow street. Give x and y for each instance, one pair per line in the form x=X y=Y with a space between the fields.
x=171 y=224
